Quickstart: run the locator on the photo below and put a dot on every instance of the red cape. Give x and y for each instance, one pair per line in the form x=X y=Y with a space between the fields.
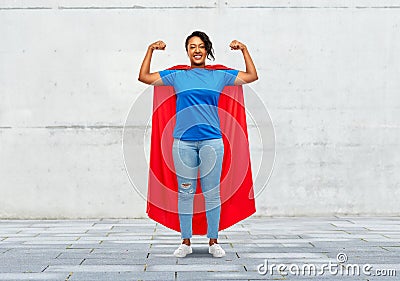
x=237 y=194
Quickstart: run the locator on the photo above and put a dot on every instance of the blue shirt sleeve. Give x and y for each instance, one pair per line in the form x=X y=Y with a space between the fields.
x=168 y=77
x=230 y=76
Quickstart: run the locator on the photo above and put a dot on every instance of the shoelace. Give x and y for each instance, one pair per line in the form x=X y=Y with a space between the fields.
x=218 y=249
x=181 y=248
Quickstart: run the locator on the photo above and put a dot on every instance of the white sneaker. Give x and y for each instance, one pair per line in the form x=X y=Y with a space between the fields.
x=182 y=251
x=216 y=250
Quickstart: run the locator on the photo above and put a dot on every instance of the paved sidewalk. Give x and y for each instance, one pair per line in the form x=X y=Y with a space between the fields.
x=140 y=249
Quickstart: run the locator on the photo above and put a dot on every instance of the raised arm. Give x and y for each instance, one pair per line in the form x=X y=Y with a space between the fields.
x=144 y=75
x=250 y=74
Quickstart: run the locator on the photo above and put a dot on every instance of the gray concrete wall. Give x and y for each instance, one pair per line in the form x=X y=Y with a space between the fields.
x=329 y=76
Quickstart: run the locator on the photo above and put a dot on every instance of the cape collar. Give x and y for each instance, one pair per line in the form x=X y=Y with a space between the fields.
x=210 y=67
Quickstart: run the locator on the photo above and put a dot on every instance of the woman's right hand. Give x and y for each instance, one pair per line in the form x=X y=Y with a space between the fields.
x=159 y=45
x=145 y=76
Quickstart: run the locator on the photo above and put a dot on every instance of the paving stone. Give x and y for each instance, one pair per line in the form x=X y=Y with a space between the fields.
x=50 y=242
x=73 y=261
x=115 y=261
x=123 y=276
x=30 y=253
x=22 y=268
x=122 y=250
x=201 y=275
x=204 y=257
x=33 y=276
x=116 y=255
x=195 y=267
x=116 y=238
x=95 y=268
x=392 y=248
x=283 y=255
x=157 y=260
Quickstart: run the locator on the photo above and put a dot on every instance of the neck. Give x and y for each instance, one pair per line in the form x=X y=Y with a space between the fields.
x=198 y=66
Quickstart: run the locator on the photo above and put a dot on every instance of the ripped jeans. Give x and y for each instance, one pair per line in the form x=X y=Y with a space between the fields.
x=189 y=158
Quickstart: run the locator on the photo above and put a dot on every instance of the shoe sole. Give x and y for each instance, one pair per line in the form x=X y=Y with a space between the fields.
x=215 y=256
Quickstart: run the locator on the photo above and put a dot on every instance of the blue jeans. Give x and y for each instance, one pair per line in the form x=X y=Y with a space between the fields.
x=189 y=158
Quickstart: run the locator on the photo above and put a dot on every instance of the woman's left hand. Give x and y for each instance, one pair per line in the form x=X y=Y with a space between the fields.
x=250 y=74
x=236 y=45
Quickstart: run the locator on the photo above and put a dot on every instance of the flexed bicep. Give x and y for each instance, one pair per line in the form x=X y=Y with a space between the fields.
x=244 y=78
x=152 y=79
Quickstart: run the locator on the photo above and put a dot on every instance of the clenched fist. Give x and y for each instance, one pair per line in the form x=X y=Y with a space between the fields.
x=236 y=45
x=159 y=45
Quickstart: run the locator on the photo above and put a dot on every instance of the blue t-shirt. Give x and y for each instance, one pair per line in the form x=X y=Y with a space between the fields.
x=197 y=94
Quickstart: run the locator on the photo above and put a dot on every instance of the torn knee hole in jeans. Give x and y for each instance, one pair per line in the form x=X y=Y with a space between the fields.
x=186 y=186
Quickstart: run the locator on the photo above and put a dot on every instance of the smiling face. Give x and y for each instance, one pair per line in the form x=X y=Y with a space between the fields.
x=197 y=52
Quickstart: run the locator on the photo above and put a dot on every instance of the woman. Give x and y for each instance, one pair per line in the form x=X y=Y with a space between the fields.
x=198 y=144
